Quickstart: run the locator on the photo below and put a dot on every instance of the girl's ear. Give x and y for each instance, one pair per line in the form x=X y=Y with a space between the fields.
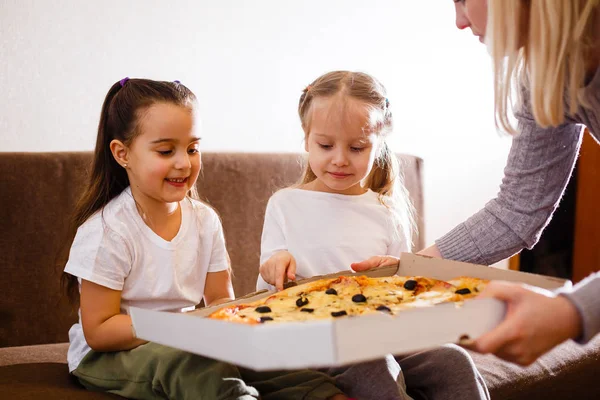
x=120 y=152
x=306 y=143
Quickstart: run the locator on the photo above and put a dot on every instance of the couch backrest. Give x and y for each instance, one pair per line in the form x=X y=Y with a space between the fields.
x=38 y=192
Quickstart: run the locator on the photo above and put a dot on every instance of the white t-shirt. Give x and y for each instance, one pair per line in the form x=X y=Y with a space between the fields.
x=116 y=249
x=326 y=232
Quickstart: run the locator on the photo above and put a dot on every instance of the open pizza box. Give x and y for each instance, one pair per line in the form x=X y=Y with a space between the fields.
x=340 y=341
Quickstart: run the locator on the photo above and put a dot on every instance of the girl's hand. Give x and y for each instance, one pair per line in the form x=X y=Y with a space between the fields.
x=374 y=262
x=278 y=269
x=536 y=320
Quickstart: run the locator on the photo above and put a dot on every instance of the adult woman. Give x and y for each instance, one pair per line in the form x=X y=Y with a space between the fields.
x=551 y=50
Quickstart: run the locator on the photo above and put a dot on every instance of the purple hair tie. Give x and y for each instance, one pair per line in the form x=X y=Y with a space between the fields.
x=176 y=81
x=124 y=81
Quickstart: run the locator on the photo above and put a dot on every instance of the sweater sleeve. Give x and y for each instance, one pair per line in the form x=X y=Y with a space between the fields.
x=586 y=298
x=538 y=169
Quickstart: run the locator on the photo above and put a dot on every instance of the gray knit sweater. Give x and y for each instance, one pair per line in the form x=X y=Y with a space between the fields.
x=539 y=165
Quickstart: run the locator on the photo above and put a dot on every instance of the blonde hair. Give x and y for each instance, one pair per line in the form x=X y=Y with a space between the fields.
x=543 y=46
x=385 y=177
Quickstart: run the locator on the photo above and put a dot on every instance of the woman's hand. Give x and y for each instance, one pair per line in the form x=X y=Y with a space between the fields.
x=374 y=262
x=536 y=320
x=278 y=269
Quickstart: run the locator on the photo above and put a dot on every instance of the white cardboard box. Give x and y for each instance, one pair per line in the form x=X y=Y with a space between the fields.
x=337 y=341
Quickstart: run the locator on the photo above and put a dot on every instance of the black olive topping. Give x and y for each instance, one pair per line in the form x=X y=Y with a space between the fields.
x=265 y=319
x=301 y=302
x=410 y=284
x=331 y=291
x=338 y=313
x=359 y=298
x=383 y=308
x=463 y=291
x=308 y=310
x=263 y=309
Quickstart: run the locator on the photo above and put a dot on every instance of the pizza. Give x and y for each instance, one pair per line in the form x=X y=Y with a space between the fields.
x=349 y=296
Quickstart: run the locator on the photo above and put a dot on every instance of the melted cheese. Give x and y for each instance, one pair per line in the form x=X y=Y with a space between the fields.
x=388 y=292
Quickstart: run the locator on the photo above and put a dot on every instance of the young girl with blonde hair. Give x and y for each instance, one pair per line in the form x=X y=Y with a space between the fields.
x=142 y=240
x=350 y=205
x=547 y=52
x=350 y=201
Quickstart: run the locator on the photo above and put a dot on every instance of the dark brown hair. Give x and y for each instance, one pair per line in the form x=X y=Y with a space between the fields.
x=120 y=118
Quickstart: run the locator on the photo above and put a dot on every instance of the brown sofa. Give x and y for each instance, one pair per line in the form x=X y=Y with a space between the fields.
x=38 y=191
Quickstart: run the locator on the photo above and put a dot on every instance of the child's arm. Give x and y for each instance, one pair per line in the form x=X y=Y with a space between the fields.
x=104 y=327
x=218 y=288
x=276 y=263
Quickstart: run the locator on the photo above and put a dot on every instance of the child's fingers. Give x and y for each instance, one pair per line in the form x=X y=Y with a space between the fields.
x=291 y=272
x=367 y=264
x=266 y=272
x=388 y=260
x=280 y=271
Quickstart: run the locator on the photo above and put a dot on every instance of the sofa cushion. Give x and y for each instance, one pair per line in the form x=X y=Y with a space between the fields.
x=46 y=381
x=45 y=353
x=569 y=371
x=41 y=372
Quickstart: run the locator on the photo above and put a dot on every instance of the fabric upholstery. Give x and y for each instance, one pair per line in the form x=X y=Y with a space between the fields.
x=569 y=371
x=44 y=381
x=38 y=191
x=41 y=353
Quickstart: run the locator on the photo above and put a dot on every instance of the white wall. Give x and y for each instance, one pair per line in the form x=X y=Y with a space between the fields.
x=247 y=61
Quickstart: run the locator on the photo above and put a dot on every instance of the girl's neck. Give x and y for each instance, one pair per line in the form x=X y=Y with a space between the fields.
x=318 y=186
x=163 y=218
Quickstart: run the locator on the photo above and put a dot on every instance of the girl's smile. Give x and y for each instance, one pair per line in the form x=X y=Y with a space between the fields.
x=177 y=182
